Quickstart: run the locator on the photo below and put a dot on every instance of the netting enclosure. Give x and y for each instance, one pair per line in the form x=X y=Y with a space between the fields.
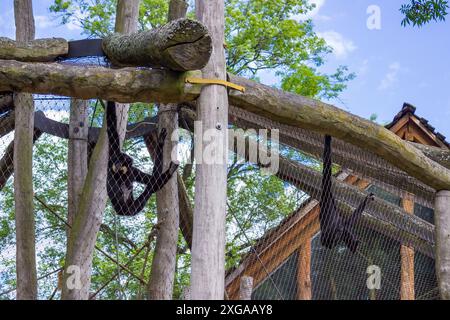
x=396 y=231
x=107 y=191
x=281 y=249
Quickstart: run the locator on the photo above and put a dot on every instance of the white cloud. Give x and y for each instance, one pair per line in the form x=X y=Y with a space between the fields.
x=43 y=22
x=341 y=46
x=314 y=13
x=391 y=76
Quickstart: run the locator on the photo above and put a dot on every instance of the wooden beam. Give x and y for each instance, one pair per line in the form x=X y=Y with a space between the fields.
x=40 y=50
x=88 y=82
x=23 y=170
x=180 y=45
x=304 y=271
x=132 y=85
x=208 y=243
x=442 y=220
x=401 y=226
x=311 y=114
x=407 y=258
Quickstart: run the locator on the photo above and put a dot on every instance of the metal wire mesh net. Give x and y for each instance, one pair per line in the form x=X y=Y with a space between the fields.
x=394 y=258
x=273 y=225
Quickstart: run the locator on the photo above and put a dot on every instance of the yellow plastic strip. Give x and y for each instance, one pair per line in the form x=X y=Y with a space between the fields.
x=215 y=81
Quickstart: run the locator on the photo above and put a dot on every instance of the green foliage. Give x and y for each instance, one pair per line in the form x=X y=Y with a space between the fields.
x=259 y=35
x=420 y=12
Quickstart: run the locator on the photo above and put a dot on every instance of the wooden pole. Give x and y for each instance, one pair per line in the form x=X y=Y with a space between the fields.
x=246 y=288
x=77 y=157
x=81 y=242
x=407 y=291
x=23 y=169
x=162 y=275
x=208 y=247
x=442 y=222
x=304 y=271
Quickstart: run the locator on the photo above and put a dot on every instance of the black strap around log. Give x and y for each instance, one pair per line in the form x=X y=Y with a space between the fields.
x=85 y=48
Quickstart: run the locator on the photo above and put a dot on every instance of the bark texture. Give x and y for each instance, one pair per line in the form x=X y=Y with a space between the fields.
x=77 y=157
x=208 y=245
x=180 y=45
x=23 y=169
x=40 y=50
x=82 y=82
x=88 y=219
x=162 y=275
x=131 y=85
x=442 y=222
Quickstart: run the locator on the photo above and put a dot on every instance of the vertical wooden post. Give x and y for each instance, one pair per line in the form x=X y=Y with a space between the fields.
x=23 y=169
x=407 y=291
x=86 y=224
x=208 y=247
x=77 y=156
x=246 y=288
x=442 y=223
x=162 y=275
x=304 y=271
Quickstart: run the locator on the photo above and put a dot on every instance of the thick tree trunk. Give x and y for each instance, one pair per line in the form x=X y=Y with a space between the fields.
x=162 y=275
x=23 y=169
x=403 y=227
x=83 y=82
x=306 y=113
x=208 y=246
x=131 y=85
x=77 y=157
x=440 y=155
x=89 y=216
x=41 y=50
x=442 y=222
x=180 y=45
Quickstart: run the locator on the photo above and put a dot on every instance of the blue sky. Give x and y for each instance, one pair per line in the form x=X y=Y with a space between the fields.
x=393 y=65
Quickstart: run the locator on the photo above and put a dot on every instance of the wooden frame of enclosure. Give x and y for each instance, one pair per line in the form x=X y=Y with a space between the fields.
x=178 y=50
x=296 y=231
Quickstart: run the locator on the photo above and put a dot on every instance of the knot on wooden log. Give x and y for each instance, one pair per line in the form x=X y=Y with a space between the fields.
x=180 y=45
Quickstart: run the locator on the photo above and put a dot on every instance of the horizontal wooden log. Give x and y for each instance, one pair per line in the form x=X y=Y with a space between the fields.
x=180 y=45
x=88 y=82
x=380 y=215
x=40 y=50
x=394 y=181
x=299 y=111
x=143 y=85
x=61 y=130
x=440 y=155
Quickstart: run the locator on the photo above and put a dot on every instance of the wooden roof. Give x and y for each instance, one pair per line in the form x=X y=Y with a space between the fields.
x=271 y=250
x=407 y=125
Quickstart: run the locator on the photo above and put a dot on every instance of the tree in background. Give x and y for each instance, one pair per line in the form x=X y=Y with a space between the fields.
x=420 y=12
x=260 y=35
